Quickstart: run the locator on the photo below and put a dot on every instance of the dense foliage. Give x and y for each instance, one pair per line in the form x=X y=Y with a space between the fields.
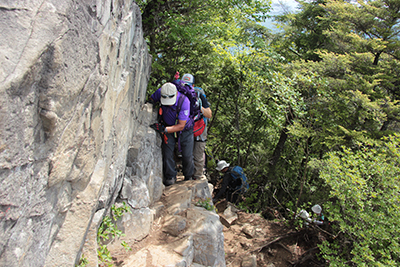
x=365 y=184
x=309 y=112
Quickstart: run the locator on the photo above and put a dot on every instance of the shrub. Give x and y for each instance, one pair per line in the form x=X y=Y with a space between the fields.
x=365 y=185
x=108 y=230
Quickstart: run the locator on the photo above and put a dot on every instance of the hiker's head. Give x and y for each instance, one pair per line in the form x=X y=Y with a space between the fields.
x=188 y=79
x=222 y=165
x=317 y=209
x=168 y=94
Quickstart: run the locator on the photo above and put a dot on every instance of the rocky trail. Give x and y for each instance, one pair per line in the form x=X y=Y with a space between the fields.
x=249 y=239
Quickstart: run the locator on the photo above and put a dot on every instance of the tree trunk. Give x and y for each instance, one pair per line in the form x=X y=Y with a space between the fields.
x=281 y=143
x=376 y=59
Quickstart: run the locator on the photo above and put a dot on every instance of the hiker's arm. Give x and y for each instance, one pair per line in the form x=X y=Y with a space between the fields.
x=206 y=112
x=205 y=107
x=224 y=186
x=177 y=127
x=155 y=97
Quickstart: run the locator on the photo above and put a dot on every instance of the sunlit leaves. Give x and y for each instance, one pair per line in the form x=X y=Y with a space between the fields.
x=180 y=33
x=365 y=184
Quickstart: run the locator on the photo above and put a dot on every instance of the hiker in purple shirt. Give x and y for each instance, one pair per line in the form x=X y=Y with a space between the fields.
x=174 y=120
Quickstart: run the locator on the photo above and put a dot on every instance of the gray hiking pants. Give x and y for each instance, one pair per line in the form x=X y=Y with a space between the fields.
x=198 y=158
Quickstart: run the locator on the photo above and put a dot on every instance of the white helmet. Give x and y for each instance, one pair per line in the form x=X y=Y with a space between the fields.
x=316 y=208
x=221 y=165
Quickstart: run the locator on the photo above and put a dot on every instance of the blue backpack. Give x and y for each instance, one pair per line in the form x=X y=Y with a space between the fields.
x=190 y=93
x=237 y=173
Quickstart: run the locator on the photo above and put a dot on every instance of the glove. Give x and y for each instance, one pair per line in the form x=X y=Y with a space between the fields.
x=158 y=127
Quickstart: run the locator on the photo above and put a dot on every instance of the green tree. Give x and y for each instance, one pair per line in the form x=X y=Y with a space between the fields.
x=366 y=26
x=180 y=33
x=364 y=186
x=371 y=28
x=303 y=33
x=348 y=97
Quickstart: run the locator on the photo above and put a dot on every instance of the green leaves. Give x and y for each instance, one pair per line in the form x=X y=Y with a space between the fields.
x=326 y=88
x=108 y=230
x=206 y=203
x=181 y=34
x=365 y=184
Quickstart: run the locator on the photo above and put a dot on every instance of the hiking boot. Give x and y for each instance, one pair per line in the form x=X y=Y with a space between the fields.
x=169 y=182
x=188 y=178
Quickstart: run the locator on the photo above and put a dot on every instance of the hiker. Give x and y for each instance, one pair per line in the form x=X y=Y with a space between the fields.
x=234 y=182
x=317 y=221
x=200 y=140
x=320 y=217
x=174 y=127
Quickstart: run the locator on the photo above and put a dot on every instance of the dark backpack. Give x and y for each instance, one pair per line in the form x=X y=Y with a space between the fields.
x=190 y=93
x=199 y=92
x=237 y=173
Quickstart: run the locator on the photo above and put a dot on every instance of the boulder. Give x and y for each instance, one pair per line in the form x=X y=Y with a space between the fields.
x=190 y=235
x=249 y=261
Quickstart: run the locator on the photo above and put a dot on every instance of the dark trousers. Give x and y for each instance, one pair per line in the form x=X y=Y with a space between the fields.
x=232 y=196
x=169 y=165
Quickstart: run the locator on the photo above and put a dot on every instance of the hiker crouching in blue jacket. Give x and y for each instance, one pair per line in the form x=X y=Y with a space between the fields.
x=234 y=182
x=172 y=123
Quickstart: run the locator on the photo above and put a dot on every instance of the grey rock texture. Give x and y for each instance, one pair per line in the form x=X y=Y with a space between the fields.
x=73 y=126
x=74 y=138
x=189 y=234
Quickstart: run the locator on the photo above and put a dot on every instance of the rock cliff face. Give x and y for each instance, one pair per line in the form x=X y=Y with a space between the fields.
x=74 y=133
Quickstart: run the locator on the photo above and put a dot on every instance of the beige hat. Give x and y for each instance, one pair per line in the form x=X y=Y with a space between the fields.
x=221 y=165
x=168 y=94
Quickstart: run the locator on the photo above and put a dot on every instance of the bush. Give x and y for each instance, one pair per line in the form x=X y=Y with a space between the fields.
x=365 y=184
x=108 y=230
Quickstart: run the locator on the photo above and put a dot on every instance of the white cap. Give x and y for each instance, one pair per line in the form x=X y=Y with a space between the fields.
x=304 y=214
x=188 y=78
x=221 y=165
x=316 y=208
x=168 y=94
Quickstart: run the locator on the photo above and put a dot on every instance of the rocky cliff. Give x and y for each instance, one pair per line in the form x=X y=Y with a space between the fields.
x=75 y=141
x=73 y=126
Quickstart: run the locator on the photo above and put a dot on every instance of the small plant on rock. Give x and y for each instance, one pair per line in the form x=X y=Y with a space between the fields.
x=207 y=204
x=109 y=230
x=83 y=262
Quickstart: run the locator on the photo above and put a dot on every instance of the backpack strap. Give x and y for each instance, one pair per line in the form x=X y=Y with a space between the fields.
x=178 y=110
x=179 y=106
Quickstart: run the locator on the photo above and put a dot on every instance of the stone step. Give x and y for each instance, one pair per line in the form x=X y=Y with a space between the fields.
x=190 y=235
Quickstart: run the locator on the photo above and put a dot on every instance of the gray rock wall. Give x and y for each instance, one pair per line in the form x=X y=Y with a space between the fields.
x=73 y=125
